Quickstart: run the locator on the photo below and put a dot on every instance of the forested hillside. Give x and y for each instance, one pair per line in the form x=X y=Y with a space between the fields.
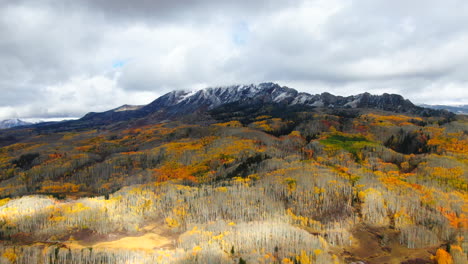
x=239 y=183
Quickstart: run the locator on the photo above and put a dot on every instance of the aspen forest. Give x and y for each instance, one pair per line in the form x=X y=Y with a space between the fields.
x=265 y=186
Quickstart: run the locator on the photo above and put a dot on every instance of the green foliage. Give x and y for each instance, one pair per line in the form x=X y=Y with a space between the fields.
x=351 y=143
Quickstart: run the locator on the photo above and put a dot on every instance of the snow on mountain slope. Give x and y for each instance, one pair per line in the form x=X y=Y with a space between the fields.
x=127 y=107
x=9 y=123
x=210 y=98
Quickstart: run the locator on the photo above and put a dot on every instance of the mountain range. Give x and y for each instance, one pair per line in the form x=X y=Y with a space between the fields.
x=184 y=102
x=203 y=103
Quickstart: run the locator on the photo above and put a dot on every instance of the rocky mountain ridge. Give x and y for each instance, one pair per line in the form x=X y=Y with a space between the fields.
x=181 y=102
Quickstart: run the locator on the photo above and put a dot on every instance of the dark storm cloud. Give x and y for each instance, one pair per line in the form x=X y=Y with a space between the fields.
x=70 y=57
x=164 y=9
x=149 y=11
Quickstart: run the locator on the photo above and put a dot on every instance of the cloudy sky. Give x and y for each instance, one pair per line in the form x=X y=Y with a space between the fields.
x=68 y=57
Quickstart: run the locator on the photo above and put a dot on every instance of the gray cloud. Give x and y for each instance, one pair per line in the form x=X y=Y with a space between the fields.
x=71 y=57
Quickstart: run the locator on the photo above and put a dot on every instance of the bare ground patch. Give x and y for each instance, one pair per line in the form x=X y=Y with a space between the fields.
x=152 y=236
x=380 y=246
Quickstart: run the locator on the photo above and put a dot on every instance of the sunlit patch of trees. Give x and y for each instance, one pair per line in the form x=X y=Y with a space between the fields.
x=269 y=124
x=259 y=242
x=390 y=120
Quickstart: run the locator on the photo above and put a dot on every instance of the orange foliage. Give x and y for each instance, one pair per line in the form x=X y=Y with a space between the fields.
x=174 y=171
x=55 y=187
x=395 y=180
x=55 y=156
x=308 y=153
x=455 y=221
x=453 y=142
x=86 y=148
x=443 y=257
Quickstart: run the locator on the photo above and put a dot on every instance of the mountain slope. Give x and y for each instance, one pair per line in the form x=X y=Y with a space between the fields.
x=9 y=123
x=457 y=109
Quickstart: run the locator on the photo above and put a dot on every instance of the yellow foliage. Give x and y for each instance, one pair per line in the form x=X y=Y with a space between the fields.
x=295 y=134
x=363 y=194
x=218 y=237
x=171 y=222
x=335 y=259
x=402 y=219
x=194 y=230
x=304 y=258
x=262 y=117
x=382 y=120
x=177 y=148
x=4 y=201
x=303 y=220
x=196 y=249
x=253 y=177
x=230 y=124
x=73 y=208
x=269 y=125
x=318 y=190
x=222 y=189
x=10 y=255
x=240 y=180
x=180 y=211
x=69 y=136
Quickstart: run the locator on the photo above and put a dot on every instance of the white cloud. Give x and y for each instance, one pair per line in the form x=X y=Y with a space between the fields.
x=94 y=93
x=443 y=92
x=70 y=57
